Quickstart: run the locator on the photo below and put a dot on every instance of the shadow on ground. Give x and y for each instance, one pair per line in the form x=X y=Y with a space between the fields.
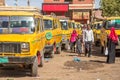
x=12 y=72
x=97 y=61
x=84 y=65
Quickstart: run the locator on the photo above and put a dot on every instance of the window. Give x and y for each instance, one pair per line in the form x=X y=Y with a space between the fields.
x=55 y=24
x=64 y=25
x=81 y=0
x=68 y=1
x=48 y=24
x=113 y=23
x=37 y=24
x=17 y=24
x=69 y=24
x=56 y=0
x=41 y=25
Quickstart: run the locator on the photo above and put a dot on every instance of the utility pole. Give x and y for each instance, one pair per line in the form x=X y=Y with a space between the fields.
x=28 y=2
x=16 y=3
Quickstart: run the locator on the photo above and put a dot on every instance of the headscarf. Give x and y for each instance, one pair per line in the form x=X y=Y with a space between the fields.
x=113 y=36
x=74 y=32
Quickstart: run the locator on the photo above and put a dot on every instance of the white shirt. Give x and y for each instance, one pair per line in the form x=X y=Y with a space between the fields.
x=89 y=35
x=83 y=33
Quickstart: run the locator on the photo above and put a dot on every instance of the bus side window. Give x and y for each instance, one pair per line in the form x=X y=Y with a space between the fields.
x=54 y=24
x=58 y=24
x=5 y=24
x=69 y=24
x=41 y=25
x=37 y=25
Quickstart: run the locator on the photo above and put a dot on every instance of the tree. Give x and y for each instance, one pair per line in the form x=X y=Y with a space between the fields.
x=110 y=7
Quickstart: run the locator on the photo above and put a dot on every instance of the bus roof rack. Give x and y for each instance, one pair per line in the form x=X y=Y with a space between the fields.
x=18 y=8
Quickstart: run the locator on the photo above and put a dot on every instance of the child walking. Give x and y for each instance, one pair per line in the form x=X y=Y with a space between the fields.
x=79 y=45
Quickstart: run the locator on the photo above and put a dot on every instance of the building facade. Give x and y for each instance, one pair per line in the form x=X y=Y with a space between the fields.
x=2 y=2
x=78 y=10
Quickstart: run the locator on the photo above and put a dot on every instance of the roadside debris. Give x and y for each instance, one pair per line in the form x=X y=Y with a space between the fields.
x=84 y=65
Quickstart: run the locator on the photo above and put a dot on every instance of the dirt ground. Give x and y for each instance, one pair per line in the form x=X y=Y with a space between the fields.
x=64 y=67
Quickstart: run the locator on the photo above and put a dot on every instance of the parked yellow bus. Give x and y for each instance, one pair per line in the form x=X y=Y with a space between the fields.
x=112 y=22
x=78 y=27
x=21 y=37
x=65 y=33
x=96 y=30
x=53 y=35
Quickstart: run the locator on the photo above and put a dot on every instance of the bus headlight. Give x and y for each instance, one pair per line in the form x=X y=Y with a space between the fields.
x=24 y=47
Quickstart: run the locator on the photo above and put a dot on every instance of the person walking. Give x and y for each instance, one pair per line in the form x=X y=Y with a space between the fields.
x=89 y=39
x=84 y=28
x=103 y=39
x=79 y=45
x=73 y=40
x=83 y=37
x=112 y=41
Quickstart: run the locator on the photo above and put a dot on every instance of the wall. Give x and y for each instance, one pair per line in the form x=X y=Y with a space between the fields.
x=2 y=2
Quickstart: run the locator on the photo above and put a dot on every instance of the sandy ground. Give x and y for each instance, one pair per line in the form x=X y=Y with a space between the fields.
x=56 y=69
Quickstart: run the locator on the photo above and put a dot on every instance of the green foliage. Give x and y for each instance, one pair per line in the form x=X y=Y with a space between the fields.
x=110 y=7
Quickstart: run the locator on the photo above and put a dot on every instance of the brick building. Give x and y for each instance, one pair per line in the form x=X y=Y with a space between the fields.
x=78 y=10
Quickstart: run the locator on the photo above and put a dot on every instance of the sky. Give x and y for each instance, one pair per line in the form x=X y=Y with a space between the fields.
x=97 y=3
x=36 y=3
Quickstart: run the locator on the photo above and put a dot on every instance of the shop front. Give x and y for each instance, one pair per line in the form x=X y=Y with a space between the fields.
x=60 y=9
x=81 y=16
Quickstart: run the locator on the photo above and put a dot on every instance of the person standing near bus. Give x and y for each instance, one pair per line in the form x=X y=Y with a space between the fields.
x=89 y=40
x=103 y=39
x=73 y=39
x=112 y=42
x=83 y=37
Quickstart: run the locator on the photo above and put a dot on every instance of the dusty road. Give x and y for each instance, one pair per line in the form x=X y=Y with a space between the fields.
x=61 y=68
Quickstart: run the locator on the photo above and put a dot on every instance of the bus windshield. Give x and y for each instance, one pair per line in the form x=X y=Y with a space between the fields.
x=16 y=24
x=64 y=25
x=47 y=24
x=98 y=26
x=113 y=23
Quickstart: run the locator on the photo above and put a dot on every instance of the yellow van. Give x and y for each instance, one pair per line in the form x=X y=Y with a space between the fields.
x=21 y=37
x=112 y=22
x=65 y=33
x=53 y=35
x=96 y=30
x=71 y=25
x=78 y=27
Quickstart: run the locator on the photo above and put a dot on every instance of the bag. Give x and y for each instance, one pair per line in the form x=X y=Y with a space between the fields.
x=117 y=42
x=106 y=51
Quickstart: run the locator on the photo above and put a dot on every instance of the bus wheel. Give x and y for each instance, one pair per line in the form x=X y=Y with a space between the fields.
x=52 y=54
x=34 y=68
x=58 y=51
x=67 y=46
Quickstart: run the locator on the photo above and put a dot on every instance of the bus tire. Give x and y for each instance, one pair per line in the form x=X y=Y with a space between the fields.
x=34 y=68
